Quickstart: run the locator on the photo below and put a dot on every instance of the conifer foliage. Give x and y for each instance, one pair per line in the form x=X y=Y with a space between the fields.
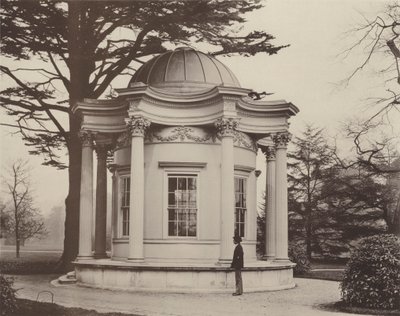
x=330 y=207
x=310 y=166
x=68 y=51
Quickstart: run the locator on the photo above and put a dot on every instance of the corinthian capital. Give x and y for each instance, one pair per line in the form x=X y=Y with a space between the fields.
x=86 y=137
x=137 y=125
x=226 y=126
x=269 y=152
x=281 y=139
x=102 y=150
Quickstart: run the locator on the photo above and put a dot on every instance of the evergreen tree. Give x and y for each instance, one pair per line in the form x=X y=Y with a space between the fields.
x=357 y=201
x=309 y=168
x=329 y=205
x=78 y=48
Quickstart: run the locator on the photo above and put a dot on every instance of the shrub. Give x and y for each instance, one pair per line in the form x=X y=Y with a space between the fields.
x=298 y=255
x=8 y=301
x=372 y=275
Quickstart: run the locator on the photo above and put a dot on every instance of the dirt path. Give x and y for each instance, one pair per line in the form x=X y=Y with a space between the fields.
x=302 y=300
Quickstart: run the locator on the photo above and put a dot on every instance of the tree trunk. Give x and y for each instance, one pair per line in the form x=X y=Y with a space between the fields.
x=17 y=246
x=308 y=243
x=16 y=230
x=71 y=239
x=79 y=80
x=308 y=233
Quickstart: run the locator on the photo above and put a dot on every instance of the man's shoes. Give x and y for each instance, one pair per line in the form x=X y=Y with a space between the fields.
x=236 y=294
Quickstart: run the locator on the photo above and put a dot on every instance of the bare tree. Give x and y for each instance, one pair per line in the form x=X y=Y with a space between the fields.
x=22 y=220
x=380 y=39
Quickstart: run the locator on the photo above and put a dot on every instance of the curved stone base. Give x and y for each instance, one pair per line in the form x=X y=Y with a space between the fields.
x=109 y=274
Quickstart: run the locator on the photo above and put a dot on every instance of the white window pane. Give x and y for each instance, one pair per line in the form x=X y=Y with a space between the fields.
x=240 y=205
x=182 y=219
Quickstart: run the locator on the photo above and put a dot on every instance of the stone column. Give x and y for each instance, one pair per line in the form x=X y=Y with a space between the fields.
x=86 y=197
x=270 y=204
x=101 y=202
x=137 y=127
x=225 y=128
x=114 y=202
x=281 y=140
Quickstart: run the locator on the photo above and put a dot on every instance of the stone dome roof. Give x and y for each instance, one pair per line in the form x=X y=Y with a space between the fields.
x=184 y=69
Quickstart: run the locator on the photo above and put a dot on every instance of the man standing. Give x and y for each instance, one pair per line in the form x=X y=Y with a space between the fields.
x=237 y=264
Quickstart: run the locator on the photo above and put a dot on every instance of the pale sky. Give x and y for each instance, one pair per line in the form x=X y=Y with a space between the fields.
x=307 y=74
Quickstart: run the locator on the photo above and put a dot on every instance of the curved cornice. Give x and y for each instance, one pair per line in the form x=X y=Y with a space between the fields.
x=102 y=115
x=196 y=108
x=271 y=107
x=100 y=106
x=186 y=98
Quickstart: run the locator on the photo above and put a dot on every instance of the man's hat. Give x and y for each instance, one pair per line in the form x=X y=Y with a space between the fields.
x=237 y=238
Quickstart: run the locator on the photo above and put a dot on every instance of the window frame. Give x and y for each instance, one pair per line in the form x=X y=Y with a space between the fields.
x=246 y=194
x=189 y=172
x=120 y=217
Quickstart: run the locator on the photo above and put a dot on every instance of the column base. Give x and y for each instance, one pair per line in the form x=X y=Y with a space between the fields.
x=101 y=255
x=282 y=260
x=133 y=260
x=268 y=258
x=224 y=262
x=84 y=257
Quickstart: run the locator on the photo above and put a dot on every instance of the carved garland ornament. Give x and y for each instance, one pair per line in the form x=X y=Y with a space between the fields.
x=123 y=140
x=243 y=140
x=181 y=133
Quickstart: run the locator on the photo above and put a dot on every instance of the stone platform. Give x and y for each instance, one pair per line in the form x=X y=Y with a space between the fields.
x=168 y=277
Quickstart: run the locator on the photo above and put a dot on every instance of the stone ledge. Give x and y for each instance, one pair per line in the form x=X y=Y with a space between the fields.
x=182 y=279
x=145 y=266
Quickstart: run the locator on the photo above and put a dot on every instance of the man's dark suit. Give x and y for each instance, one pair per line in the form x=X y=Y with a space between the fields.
x=237 y=264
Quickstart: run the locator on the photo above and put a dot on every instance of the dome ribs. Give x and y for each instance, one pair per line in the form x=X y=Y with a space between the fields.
x=184 y=68
x=219 y=72
x=201 y=64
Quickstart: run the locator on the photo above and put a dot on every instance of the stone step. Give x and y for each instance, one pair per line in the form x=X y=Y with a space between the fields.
x=71 y=275
x=65 y=279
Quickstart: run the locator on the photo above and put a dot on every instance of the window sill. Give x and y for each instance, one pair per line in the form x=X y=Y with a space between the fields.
x=120 y=240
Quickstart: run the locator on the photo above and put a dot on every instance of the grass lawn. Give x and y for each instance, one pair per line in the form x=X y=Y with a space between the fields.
x=323 y=275
x=331 y=272
x=32 y=308
x=29 y=262
x=327 y=265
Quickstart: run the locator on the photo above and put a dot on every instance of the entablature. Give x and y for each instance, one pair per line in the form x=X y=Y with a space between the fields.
x=199 y=108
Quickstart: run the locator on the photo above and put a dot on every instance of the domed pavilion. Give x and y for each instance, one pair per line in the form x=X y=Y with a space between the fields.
x=184 y=137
